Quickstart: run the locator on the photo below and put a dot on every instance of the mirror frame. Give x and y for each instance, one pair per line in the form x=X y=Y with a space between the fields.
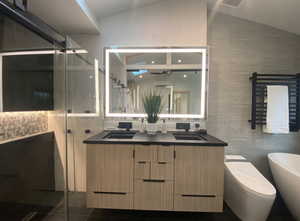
x=203 y=50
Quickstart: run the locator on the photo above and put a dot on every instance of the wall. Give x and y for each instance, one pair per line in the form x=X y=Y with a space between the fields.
x=237 y=49
x=165 y=23
x=18 y=124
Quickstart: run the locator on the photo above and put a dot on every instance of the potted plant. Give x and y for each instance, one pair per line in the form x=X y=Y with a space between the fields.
x=152 y=103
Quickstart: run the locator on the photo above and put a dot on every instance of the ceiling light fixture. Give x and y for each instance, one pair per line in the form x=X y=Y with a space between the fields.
x=179 y=60
x=153 y=62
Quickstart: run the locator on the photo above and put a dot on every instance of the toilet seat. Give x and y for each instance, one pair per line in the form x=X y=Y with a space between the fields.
x=251 y=179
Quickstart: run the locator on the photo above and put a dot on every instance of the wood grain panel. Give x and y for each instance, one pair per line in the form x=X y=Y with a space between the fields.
x=162 y=171
x=198 y=204
x=145 y=153
x=153 y=195
x=112 y=166
x=165 y=153
x=110 y=201
x=199 y=170
x=142 y=170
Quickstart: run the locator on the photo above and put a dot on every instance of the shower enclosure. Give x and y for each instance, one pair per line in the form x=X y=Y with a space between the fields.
x=49 y=103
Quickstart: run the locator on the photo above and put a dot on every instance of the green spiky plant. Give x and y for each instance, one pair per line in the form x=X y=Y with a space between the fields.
x=152 y=105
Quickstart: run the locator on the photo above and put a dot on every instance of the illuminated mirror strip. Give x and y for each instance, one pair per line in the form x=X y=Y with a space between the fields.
x=156 y=50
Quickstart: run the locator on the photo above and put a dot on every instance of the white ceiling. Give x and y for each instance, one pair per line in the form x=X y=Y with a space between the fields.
x=281 y=14
x=66 y=16
x=104 y=8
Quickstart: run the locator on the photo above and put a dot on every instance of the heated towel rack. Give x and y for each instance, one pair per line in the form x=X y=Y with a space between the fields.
x=259 y=92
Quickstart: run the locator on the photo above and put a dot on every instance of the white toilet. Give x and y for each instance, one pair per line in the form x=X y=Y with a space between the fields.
x=247 y=192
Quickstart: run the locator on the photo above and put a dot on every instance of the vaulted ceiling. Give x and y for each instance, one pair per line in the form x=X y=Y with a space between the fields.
x=104 y=8
x=70 y=16
x=281 y=14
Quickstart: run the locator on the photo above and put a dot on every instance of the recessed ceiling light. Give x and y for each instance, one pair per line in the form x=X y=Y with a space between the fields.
x=179 y=60
x=153 y=62
x=185 y=76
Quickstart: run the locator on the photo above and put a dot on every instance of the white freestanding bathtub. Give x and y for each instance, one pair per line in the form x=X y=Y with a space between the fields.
x=285 y=168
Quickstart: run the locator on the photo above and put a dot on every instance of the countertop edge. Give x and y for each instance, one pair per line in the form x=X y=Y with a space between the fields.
x=160 y=142
x=98 y=139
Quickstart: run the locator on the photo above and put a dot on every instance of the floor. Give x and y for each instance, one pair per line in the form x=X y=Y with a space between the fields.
x=78 y=212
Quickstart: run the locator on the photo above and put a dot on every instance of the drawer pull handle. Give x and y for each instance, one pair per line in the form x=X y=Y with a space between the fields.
x=195 y=195
x=112 y=193
x=142 y=162
x=154 y=181
x=162 y=162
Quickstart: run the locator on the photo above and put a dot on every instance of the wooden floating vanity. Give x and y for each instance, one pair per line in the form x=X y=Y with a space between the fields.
x=155 y=173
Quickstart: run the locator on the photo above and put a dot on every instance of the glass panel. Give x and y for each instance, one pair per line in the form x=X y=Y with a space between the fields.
x=144 y=59
x=83 y=121
x=186 y=58
x=15 y=37
x=32 y=144
x=82 y=90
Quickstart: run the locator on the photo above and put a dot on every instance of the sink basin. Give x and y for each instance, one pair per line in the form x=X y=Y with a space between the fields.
x=120 y=135
x=188 y=136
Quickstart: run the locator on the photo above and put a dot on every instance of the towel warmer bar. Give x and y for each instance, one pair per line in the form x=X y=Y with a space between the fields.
x=259 y=92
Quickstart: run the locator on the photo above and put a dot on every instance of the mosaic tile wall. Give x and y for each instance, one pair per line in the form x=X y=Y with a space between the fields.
x=18 y=124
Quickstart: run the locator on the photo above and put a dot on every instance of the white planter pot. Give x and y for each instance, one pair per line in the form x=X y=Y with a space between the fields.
x=151 y=128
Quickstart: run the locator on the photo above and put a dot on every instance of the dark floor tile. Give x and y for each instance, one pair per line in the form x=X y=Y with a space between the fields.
x=124 y=215
x=61 y=217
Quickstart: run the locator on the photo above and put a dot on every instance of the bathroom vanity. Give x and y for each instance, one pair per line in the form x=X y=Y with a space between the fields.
x=179 y=171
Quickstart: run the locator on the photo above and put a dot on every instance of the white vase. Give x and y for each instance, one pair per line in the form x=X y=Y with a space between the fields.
x=151 y=128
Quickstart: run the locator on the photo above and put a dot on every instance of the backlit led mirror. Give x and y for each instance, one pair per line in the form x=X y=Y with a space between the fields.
x=178 y=74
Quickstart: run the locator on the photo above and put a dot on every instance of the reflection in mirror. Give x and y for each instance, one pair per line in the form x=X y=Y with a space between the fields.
x=26 y=79
x=178 y=75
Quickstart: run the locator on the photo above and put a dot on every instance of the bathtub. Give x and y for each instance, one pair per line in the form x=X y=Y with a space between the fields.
x=285 y=168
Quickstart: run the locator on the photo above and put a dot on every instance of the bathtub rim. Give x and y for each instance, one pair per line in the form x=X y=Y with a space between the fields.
x=284 y=167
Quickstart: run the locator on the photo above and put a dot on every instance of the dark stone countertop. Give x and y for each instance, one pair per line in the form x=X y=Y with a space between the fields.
x=159 y=138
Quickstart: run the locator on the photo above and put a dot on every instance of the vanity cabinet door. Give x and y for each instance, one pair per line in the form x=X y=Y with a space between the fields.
x=199 y=170
x=112 y=165
x=163 y=167
x=154 y=162
x=199 y=179
x=153 y=195
x=110 y=176
x=165 y=154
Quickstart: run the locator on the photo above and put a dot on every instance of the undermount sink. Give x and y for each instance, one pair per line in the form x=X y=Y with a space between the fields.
x=188 y=136
x=120 y=135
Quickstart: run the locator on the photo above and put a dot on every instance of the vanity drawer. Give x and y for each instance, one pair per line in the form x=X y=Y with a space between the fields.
x=161 y=170
x=142 y=170
x=165 y=153
x=145 y=153
x=153 y=195
x=108 y=200
x=198 y=203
